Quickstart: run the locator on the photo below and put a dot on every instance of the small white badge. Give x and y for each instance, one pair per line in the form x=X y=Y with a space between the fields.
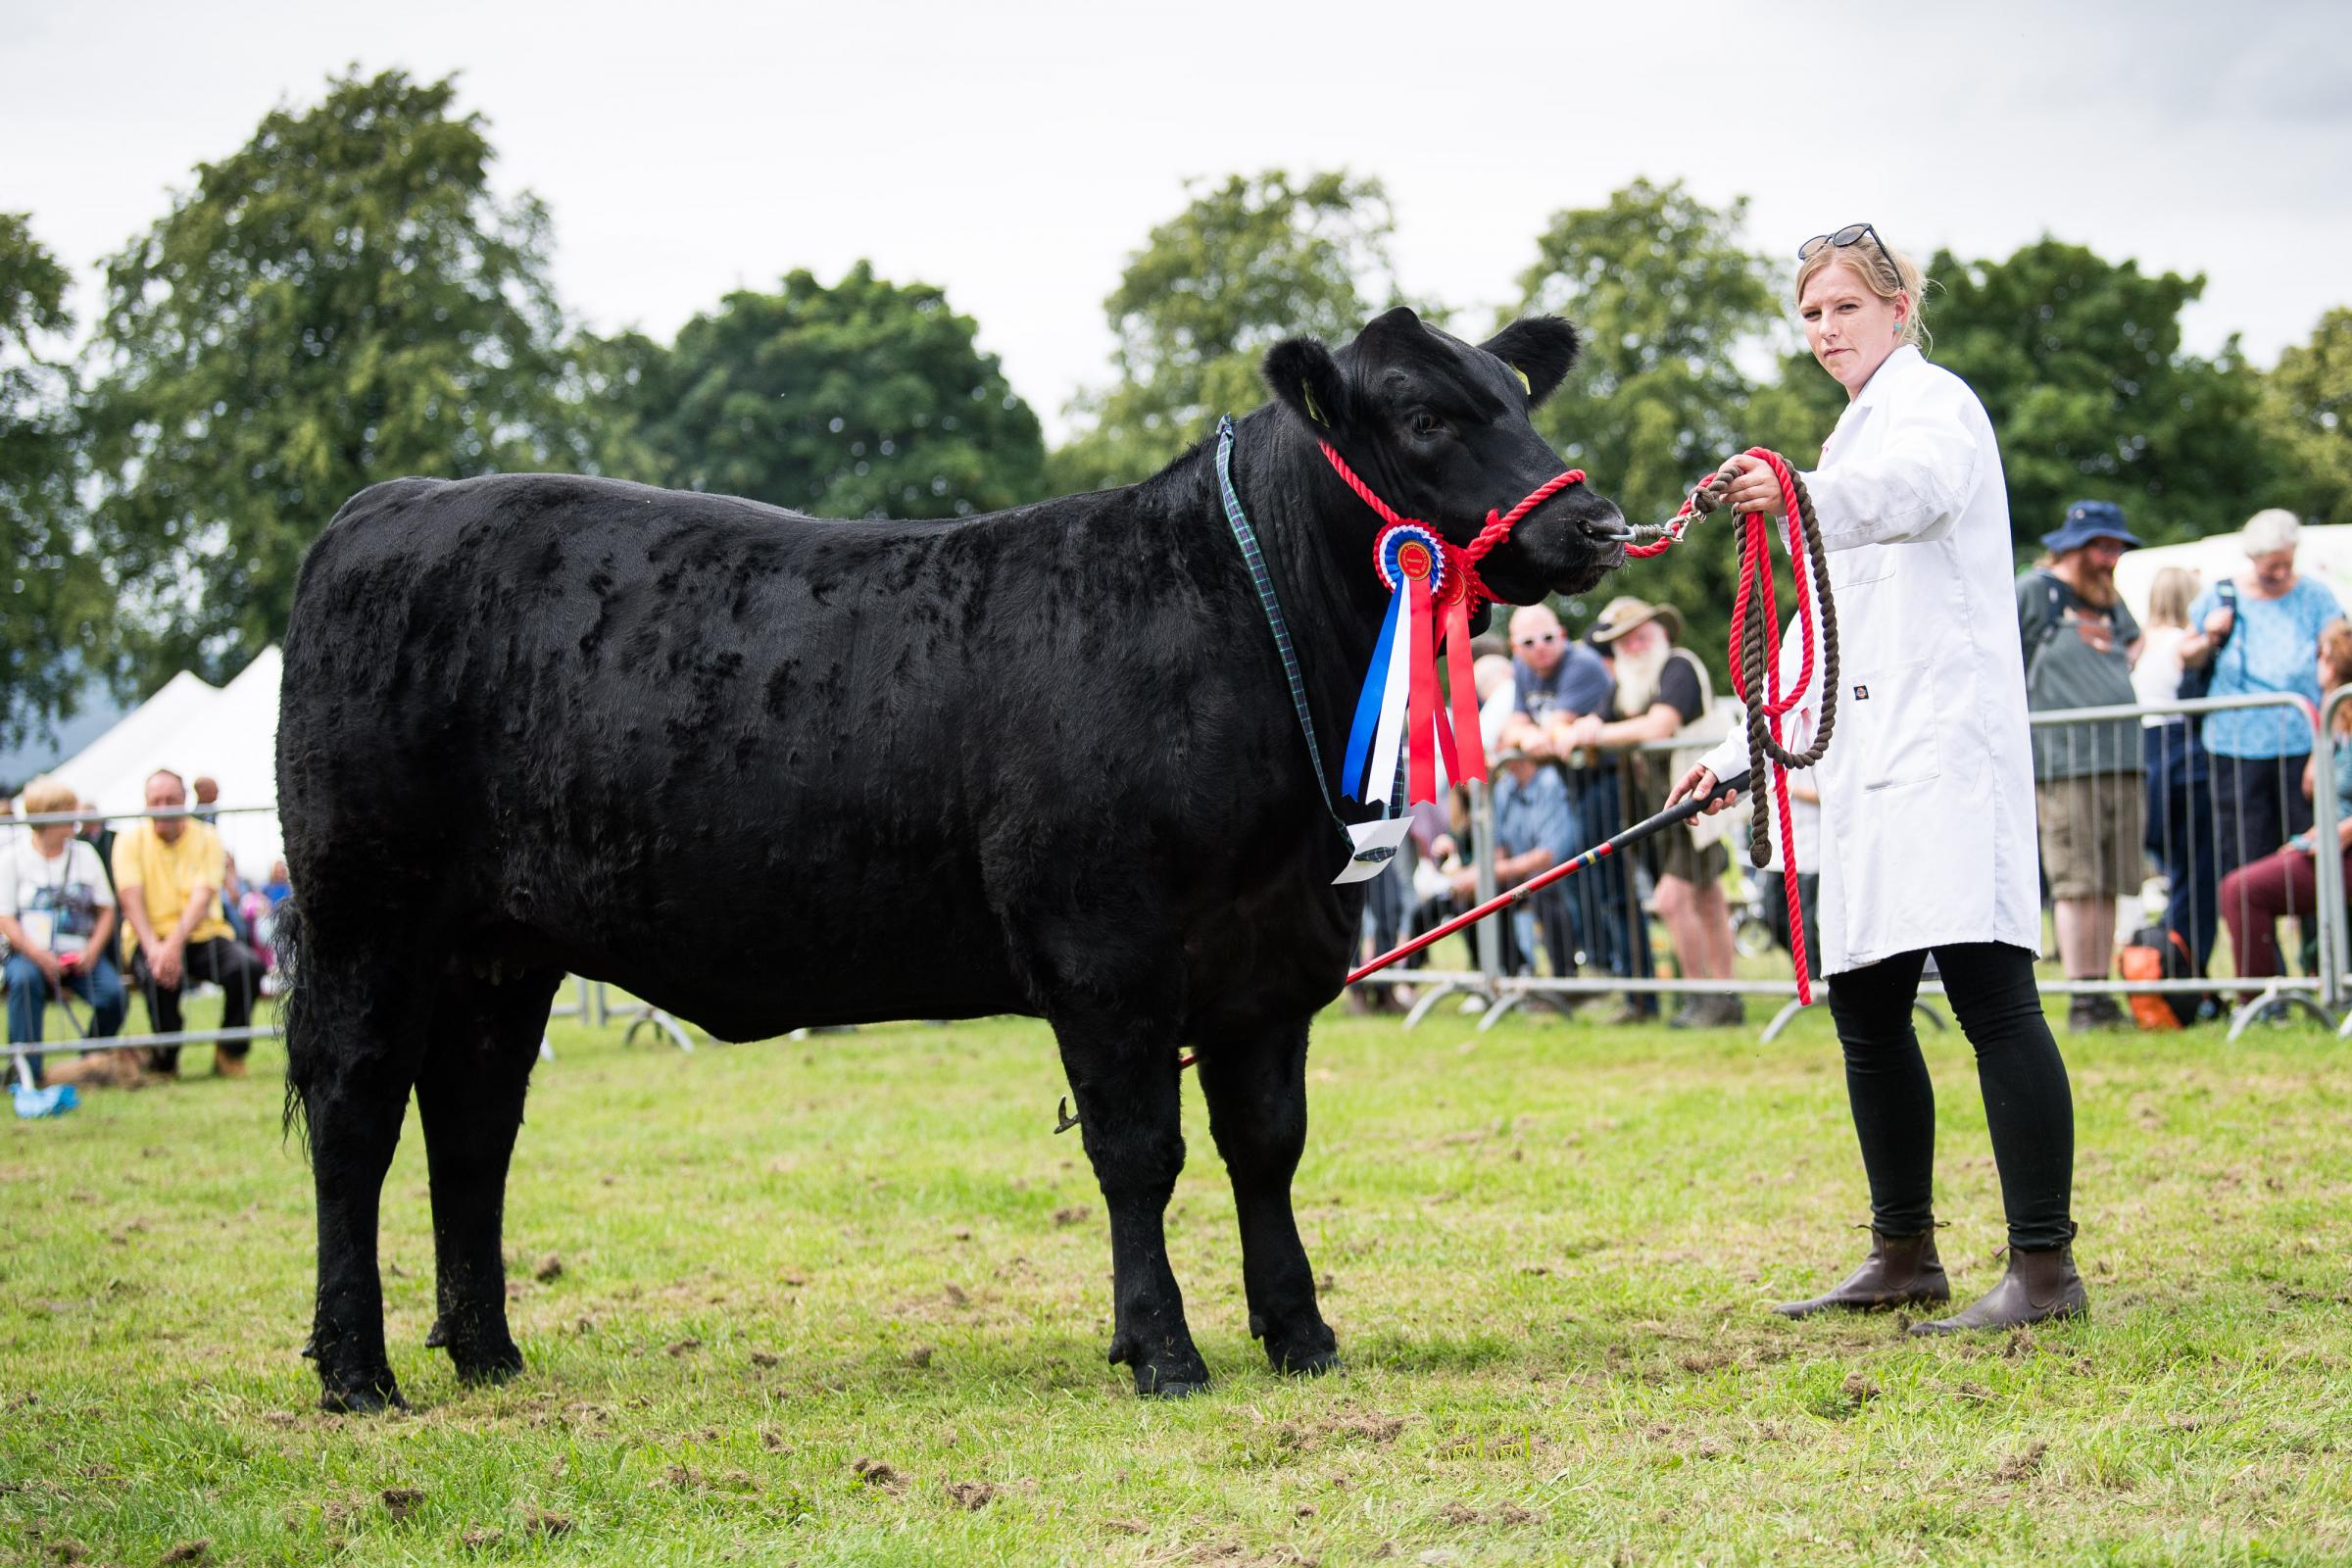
x=1376 y=845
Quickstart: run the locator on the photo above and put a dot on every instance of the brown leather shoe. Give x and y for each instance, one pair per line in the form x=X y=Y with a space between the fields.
x=1900 y=1271
x=2040 y=1285
x=226 y=1065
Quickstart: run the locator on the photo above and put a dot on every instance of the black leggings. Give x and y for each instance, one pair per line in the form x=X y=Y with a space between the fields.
x=2026 y=1101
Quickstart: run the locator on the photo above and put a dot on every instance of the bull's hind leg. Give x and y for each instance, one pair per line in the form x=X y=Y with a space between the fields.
x=1257 y=1093
x=483 y=1041
x=1122 y=1072
x=353 y=1043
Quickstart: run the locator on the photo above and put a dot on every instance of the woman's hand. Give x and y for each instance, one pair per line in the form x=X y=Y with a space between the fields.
x=1754 y=486
x=1701 y=782
x=2218 y=625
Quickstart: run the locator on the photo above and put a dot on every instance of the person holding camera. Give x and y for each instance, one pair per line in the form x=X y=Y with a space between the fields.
x=57 y=915
x=2259 y=633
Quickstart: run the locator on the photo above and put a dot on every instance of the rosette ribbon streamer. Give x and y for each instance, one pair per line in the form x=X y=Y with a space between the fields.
x=1434 y=589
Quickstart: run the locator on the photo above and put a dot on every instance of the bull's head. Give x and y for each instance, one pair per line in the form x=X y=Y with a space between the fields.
x=1440 y=429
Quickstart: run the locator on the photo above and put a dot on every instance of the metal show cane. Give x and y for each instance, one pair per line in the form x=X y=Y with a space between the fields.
x=1724 y=790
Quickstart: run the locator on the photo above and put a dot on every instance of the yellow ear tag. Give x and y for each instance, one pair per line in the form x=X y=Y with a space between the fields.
x=1312 y=413
x=1528 y=386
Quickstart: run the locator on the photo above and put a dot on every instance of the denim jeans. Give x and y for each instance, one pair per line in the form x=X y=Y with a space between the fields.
x=29 y=998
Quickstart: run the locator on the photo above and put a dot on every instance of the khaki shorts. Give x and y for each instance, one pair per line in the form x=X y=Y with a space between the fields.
x=1679 y=855
x=2090 y=835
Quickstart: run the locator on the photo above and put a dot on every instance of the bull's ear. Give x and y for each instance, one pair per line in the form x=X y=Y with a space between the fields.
x=1541 y=348
x=1303 y=373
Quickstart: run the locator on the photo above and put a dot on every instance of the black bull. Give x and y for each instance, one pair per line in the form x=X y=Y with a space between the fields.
x=765 y=771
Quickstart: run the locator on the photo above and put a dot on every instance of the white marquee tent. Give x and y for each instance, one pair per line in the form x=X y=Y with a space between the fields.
x=228 y=733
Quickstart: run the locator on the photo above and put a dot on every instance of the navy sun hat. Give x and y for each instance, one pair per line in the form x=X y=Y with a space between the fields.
x=2086 y=521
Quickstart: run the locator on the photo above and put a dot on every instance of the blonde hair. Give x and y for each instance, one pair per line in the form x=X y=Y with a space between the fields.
x=2170 y=594
x=45 y=794
x=2335 y=649
x=1887 y=273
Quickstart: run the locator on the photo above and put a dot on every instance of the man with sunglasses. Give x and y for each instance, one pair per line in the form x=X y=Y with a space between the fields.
x=1560 y=680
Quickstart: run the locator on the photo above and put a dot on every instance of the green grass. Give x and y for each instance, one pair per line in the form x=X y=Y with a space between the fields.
x=1548 y=1252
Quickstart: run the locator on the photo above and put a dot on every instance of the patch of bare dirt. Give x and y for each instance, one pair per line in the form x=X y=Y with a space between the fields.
x=188 y=1552
x=402 y=1501
x=2022 y=1465
x=879 y=1474
x=973 y=1495
x=546 y=1523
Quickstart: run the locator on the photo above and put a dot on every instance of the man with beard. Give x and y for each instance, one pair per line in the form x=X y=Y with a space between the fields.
x=2079 y=644
x=1662 y=690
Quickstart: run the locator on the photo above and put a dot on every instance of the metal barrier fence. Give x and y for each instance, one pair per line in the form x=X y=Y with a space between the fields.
x=2094 y=768
x=591 y=1001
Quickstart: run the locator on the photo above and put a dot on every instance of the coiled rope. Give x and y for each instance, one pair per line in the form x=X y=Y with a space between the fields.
x=1754 y=655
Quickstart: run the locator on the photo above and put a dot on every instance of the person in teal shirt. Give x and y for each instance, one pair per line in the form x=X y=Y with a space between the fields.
x=2261 y=633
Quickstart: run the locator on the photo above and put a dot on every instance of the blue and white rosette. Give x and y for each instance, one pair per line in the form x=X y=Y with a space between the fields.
x=1403 y=553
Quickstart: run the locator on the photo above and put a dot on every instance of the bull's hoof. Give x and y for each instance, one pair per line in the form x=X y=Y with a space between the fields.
x=485 y=1364
x=1169 y=1370
x=1303 y=1349
x=366 y=1394
x=1306 y=1363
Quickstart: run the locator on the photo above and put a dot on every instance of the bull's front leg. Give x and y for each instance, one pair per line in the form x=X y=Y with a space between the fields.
x=1123 y=1074
x=1257 y=1093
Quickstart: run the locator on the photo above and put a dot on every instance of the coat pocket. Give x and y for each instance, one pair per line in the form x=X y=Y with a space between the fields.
x=1892 y=714
x=1851 y=568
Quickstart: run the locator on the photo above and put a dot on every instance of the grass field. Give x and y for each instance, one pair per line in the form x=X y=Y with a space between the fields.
x=845 y=1301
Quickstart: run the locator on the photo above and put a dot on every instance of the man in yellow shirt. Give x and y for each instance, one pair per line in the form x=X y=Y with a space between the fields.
x=168 y=874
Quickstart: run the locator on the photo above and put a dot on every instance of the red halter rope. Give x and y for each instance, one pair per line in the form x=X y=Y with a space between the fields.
x=1461 y=560
x=1754 y=655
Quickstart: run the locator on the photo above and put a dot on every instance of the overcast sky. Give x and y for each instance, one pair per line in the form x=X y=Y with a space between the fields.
x=1018 y=152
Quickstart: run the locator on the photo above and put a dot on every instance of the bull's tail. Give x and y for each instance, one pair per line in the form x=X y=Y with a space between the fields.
x=293 y=1012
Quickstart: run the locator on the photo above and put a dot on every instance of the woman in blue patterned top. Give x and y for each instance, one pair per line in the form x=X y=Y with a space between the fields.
x=2259 y=633
x=2259 y=894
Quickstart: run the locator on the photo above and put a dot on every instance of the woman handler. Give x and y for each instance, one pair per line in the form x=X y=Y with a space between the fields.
x=1926 y=792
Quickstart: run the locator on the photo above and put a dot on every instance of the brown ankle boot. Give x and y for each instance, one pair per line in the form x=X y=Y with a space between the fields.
x=1900 y=1271
x=2040 y=1285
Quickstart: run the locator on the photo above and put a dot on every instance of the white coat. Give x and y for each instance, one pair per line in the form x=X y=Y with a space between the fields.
x=1926 y=792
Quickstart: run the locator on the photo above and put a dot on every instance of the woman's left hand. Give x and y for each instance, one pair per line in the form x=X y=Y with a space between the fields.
x=1754 y=486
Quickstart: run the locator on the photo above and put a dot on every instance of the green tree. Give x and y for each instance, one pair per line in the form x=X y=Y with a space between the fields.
x=1245 y=265
x=341 y=301
x=863 y=399
x=2077 y=360
x=2308 y=409
x=1669 y=302
x=54 y=602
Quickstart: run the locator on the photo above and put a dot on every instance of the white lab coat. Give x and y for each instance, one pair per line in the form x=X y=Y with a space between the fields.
x=1926 y=792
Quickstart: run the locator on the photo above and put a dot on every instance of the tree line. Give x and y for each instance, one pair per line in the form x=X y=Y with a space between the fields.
x=344 y=299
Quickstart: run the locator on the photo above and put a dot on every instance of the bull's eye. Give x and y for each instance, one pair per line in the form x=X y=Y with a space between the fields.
x=1427 y=425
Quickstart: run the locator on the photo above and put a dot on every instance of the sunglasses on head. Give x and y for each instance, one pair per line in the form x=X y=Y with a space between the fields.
x=1850 y=234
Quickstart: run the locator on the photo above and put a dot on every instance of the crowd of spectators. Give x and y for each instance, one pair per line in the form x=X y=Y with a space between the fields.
x=94 y=914
x=2219 y=808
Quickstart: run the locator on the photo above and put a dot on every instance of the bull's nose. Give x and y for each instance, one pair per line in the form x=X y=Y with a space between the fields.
x=1610 y=527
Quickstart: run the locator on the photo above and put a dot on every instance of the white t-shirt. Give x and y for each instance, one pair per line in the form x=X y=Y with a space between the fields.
x=57 y=902
x=2156 y=678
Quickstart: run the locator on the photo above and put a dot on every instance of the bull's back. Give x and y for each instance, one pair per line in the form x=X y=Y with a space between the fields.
x=654 y=734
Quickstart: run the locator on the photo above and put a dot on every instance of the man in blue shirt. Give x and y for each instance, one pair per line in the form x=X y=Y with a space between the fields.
x=1558 y=681
x=2261 y=633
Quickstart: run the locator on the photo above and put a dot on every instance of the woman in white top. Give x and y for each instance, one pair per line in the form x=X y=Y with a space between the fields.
x=57 y=915
x=1926 y=792
x=2179 y=801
